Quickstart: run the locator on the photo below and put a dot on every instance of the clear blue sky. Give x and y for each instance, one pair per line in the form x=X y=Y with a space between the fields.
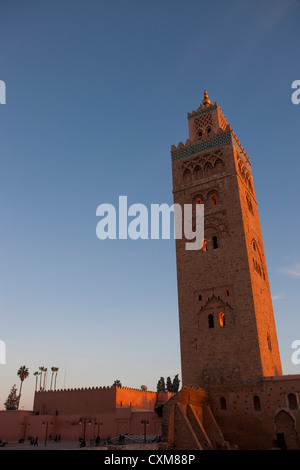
x=97 y=92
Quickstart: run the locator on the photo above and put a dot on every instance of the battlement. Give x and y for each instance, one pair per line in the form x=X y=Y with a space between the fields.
x=86 y=389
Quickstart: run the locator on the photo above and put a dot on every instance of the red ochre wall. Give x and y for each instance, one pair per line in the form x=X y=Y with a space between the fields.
x=256 y=428
x=120 y=410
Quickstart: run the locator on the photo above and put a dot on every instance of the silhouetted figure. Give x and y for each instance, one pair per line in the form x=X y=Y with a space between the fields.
x=82 y=442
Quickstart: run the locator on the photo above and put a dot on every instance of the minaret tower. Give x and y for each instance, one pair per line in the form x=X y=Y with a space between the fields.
x=227 y=327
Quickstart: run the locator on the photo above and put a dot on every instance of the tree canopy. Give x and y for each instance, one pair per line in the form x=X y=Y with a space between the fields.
x=12 y=400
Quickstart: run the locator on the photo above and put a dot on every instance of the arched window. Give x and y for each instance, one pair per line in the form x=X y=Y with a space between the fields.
x=187 y=176
x=197 y=172
x=210 y=321
x=222 y=319
x=208 y=130
x=249 y=205
x=204 y=246
x=215 y=242
x=213 y=199
x=292 y=401
x=269 y=342
x=207 y=170
x=256 y=403
x=223 y=404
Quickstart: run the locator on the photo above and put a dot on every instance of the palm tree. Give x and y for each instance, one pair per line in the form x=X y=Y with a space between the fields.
x=42 y=368
x=55 y=370
x=23 y=374
x=45 y=378
x=52 y=372
x=36 y=374
x=117 y=383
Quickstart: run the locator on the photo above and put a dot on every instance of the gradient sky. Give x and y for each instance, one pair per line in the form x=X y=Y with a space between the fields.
x=97 y=92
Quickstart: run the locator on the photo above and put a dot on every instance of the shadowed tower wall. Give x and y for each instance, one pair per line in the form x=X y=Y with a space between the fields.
x=227 y=327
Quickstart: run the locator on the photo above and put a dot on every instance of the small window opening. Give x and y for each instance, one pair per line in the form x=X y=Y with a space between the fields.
x=215 y=242
x=292 y=399
x=208 y=131
x=223 y=404
x=204 y=246
x=227 y=293
x=222 y=319
x=256 y=403
x=210 y=321
x=213 y=200
x=269 y=343
x=200 y=298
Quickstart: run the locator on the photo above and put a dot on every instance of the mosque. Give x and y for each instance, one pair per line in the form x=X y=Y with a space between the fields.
x=234 y=395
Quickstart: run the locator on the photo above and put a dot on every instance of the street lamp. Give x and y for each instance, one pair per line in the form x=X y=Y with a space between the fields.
x=145 y=422
x=84 y=420
x=98 y=425
x=46 y=432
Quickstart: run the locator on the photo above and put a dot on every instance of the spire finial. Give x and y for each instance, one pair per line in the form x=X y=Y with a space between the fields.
x=206 y=100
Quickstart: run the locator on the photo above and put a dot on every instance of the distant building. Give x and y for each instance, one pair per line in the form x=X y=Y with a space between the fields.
x=86 y=413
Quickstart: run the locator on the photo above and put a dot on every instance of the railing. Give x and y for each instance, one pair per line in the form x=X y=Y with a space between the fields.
x=125 y=439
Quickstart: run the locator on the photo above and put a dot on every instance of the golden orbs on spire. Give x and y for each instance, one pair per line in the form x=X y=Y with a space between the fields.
x=206 y=100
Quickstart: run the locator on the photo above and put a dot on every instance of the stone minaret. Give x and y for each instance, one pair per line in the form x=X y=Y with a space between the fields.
x=227 y=327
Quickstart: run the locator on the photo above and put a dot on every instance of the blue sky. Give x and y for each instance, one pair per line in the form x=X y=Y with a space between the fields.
x=97 y=92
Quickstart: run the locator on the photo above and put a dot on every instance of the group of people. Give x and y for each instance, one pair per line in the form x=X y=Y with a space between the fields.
x=82 y=442
x=56 y=439
x=34 y=442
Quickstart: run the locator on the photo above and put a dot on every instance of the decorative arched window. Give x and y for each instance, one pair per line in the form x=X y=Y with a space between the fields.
x=223 y=404
x=210 y=321
x=222 y=319
x=213 y=199
x=250 y=207
x=256 y=403
x=208 y=130
x=269 y=342
x=292 y=401
x=215 y=242
x=207 y=170
x=187 y=176
x=197 y=172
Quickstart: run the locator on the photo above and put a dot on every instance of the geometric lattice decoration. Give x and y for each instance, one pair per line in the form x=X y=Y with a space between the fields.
x=199 y=147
